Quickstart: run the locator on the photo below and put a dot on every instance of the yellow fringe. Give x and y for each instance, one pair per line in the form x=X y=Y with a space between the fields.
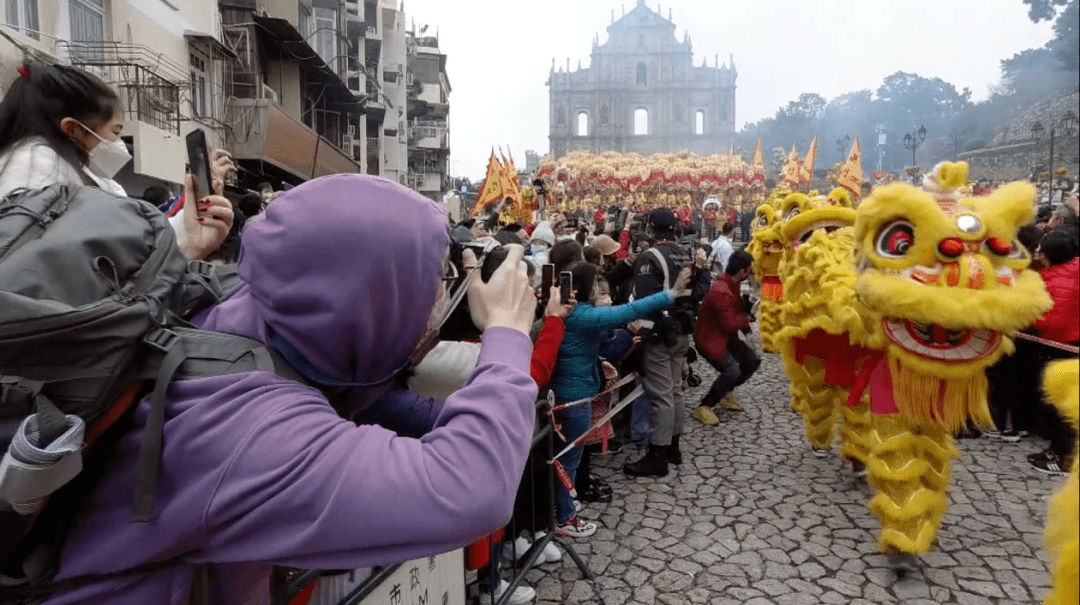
x=920 y=398
x=854 y=431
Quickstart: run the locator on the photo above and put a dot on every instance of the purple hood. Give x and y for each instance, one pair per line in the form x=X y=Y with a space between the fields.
x=257 y=469
x=310 y=263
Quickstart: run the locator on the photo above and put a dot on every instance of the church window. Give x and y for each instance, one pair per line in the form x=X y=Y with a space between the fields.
x=582 y=124
x=641 y=121
x=642 y=75
x=678 y=113
x=699 y=119
x=604 y=115
x=560 y=118
x=641 y=41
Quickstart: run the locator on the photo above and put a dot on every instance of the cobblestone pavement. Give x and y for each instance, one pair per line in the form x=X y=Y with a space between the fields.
x=752 y=517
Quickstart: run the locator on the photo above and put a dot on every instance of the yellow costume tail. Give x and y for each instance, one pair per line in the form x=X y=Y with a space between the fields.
x=908 y=468
x=1063 y=517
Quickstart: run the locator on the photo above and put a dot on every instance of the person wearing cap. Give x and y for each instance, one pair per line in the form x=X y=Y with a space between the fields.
x=664 y=352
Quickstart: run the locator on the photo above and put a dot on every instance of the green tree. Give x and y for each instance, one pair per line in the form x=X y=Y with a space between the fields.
x=1043 y=10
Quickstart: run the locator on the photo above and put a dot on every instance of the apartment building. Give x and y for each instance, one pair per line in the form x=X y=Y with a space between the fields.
x=428 y=113
x=296 y=89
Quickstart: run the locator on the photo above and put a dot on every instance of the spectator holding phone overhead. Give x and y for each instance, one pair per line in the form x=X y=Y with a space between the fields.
x=577 y=375
x=59 y=124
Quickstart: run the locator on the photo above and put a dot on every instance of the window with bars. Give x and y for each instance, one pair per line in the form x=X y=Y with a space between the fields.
x=87 y=28
x=23 y=14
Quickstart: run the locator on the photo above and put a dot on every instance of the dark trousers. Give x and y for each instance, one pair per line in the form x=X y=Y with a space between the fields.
x=737 y=366
x=710 y=232
x=1015 y=387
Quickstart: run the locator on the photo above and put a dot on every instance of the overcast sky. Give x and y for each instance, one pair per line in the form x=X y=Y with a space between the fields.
x=500 y=52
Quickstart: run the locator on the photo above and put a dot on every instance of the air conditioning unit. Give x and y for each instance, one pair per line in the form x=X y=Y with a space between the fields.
x=409 y=79
x=352 y=130
x=269 y=93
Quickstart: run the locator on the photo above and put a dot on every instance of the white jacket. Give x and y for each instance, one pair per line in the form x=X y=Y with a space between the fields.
x=33 y=164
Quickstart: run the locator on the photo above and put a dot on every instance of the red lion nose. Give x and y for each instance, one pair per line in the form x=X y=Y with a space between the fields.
x=951 y=247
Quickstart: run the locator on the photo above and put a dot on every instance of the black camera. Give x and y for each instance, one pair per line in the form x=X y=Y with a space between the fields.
x=749 y=302
x=459 y=326
x=540 y=186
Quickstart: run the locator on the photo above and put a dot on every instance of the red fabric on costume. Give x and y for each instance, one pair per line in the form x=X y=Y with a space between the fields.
x=722 y=316
x=546 y=350
x=1060 y=323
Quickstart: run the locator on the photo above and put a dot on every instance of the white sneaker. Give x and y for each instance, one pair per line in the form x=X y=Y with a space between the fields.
x=515 y=550
x=576 y=527
x=551 y=554
x=522 y=595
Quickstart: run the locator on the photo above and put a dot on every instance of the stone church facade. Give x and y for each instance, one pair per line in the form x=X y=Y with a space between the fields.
x=642 y=93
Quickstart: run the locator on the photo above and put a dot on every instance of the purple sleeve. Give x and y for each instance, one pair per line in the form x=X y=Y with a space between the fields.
x=311 y=490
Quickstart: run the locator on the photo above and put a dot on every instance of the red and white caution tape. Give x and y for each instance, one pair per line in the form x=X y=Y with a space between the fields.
x=638 y=392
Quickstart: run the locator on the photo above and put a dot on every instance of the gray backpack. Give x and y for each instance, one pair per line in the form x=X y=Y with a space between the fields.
x=93 y=293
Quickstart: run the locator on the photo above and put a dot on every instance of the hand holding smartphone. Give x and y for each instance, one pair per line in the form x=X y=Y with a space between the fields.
x=199 y=163
x=566 y=287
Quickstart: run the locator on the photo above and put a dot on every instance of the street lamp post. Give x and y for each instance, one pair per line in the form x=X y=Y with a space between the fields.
x=912 y=141
x=1068 y=121
x=842 y=145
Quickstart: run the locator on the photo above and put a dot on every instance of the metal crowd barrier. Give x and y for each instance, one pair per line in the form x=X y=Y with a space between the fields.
x=289 y=585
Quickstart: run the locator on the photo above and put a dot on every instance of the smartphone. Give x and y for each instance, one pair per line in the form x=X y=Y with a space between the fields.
x=547 y=276
x=566 y=287
x=199 y=161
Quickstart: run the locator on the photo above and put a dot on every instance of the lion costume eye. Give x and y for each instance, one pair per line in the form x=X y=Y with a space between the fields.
x=763 y=221
x=791 y=214
x=895 y=239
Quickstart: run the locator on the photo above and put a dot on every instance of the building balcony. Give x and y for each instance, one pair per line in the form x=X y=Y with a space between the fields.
x=275 y=139
x=428 y=136
x=431 y=182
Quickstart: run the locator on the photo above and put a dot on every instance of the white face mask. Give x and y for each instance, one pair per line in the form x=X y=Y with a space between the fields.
x=107 y=157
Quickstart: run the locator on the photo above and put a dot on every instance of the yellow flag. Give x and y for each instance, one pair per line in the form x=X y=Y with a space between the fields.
x=491 y=190
x=851 y=173
x=759 y=165
x=791 y=170
x=806 y=173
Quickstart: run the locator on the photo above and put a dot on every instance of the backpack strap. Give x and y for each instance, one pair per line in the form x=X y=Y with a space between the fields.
x=663 y=265
x=191 y=354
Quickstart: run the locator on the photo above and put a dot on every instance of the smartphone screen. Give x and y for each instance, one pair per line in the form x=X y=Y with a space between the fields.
x=566 y=287
x=548 y=279
x=199 y=160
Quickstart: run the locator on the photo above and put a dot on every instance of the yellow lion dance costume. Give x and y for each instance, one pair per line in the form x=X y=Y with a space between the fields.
x=1062 y=540
x=821 y=313
x=765 y=248
x=946 y=282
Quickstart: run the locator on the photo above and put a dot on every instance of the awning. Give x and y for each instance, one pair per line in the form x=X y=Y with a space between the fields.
x=205 y=38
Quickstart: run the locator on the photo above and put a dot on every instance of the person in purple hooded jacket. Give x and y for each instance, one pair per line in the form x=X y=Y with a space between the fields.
x=343 y=275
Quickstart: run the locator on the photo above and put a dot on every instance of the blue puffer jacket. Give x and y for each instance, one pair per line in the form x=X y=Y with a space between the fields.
x=576 y=373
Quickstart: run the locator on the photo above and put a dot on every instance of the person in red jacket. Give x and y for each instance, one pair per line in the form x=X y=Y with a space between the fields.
x=723 y=315
x=1059 y=324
